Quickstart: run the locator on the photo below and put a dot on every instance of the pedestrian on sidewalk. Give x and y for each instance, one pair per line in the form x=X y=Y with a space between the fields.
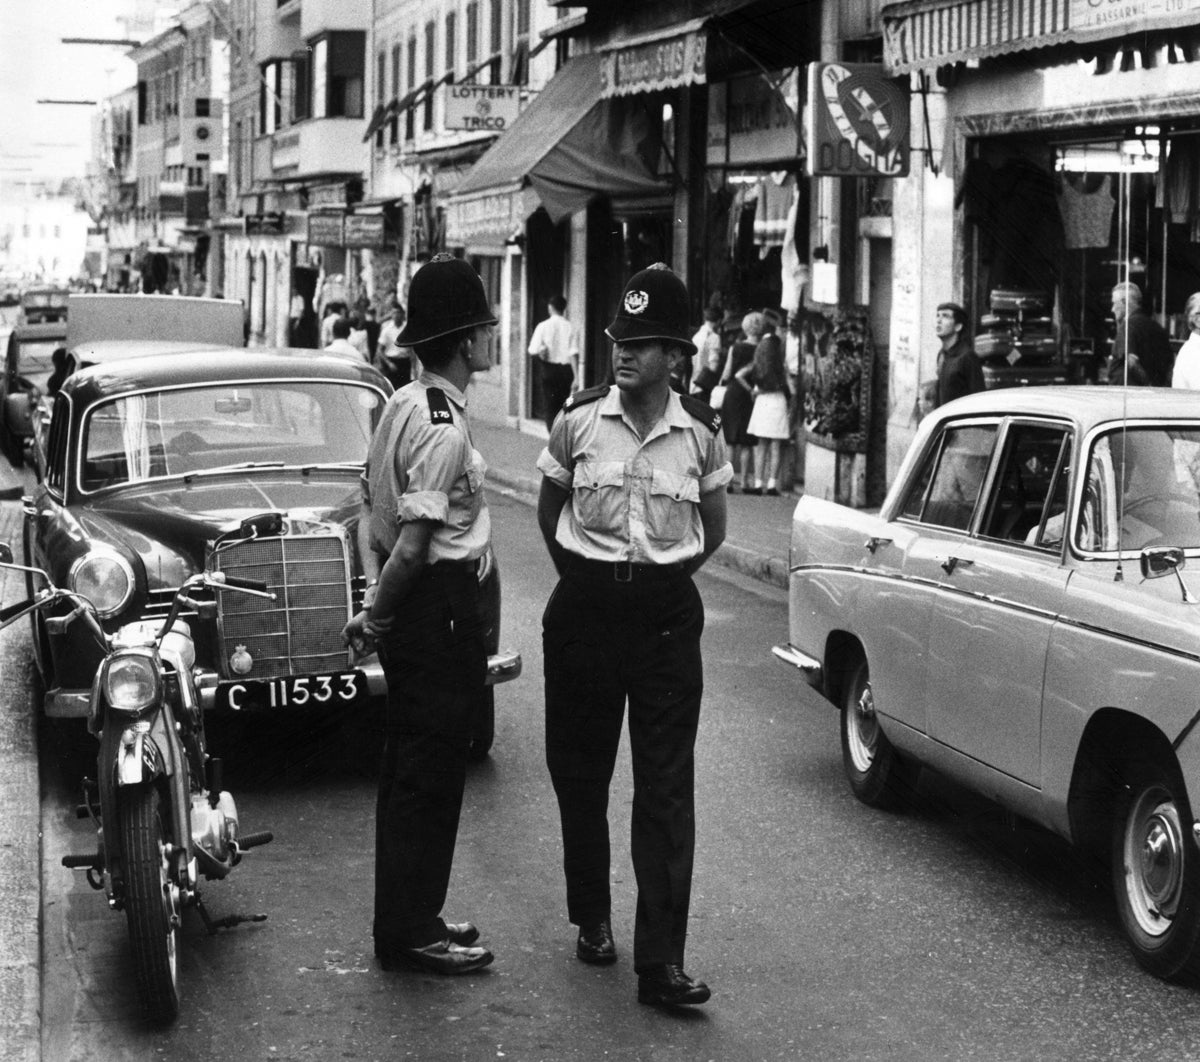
x=766 y=380
x=709 y=357
x=738 y=404
x=423 y=529
x=553 y=343
x=394 y=362
x=632 y=503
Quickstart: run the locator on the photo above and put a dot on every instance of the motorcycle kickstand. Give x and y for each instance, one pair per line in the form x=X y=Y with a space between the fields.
x=228 y=922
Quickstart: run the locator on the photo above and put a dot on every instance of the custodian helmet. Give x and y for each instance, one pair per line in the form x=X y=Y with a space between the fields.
x=446 y=295
x=654 y=305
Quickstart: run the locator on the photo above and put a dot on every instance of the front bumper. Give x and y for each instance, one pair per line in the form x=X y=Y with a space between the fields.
x=810 y=666
x=503 y=666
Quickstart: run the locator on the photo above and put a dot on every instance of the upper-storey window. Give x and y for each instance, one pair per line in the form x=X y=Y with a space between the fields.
x=338 y=65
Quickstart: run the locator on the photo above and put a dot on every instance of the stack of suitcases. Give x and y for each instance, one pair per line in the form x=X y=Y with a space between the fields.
x=1017 y=342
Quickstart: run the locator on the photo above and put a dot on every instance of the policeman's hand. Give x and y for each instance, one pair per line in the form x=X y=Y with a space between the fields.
x=357 y=635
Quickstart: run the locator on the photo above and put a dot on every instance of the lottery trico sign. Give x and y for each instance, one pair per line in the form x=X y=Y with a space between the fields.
x=857 y=122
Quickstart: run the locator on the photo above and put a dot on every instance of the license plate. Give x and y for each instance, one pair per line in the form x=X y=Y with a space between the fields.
x=293 y=691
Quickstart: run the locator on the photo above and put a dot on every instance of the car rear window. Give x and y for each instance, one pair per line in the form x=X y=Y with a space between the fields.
x=946 y=488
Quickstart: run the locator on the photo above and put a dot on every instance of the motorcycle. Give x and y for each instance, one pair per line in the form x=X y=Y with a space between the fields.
x=162 y=819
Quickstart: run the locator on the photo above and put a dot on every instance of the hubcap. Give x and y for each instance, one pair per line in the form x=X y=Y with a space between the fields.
x=1154 y=856
x=863 y=730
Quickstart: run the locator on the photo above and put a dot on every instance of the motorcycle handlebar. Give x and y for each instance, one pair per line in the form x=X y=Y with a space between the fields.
x=237 y=583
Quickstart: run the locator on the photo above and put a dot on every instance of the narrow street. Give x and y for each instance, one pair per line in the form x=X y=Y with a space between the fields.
x=827 y=931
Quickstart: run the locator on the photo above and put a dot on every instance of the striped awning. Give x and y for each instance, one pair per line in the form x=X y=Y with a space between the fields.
x=921 y=34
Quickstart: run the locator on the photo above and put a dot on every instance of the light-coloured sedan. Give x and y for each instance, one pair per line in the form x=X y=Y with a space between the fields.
x=1019 y=616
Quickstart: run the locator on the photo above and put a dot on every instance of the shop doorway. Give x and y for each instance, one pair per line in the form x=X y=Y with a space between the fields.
x=547 y=246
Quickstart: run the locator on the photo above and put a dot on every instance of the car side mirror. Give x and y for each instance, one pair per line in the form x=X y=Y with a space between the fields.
x=6 y=553
x=18 y=412
x=1157 y=561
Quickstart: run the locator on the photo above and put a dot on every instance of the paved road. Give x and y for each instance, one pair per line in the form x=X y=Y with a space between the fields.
x=826 y=930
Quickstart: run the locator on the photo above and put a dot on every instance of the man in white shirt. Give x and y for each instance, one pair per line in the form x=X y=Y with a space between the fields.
x=553 y=342
x=394 y=362
x=1187 y=362
x=340 y=344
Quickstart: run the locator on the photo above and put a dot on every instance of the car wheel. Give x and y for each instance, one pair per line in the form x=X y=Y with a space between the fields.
x=877 y=774
x=1156 y=872
x=483 y=727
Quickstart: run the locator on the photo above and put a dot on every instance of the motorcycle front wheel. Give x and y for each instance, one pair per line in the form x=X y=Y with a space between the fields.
x=151 y=900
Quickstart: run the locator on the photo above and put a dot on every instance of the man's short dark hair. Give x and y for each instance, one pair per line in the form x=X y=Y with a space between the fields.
x=340 y=328
x=558 y=303
x=960 y=315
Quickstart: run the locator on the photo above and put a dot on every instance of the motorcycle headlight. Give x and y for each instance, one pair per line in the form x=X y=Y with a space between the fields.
x=105 y=578
x=131 y=682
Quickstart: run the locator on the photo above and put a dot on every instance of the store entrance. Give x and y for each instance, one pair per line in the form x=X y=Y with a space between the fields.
x=1052 y=225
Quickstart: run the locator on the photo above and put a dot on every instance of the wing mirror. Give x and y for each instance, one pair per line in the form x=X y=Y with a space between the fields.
x=6 y=556
x=1158 y=561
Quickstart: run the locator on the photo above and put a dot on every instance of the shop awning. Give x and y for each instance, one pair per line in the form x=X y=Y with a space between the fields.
x=921 y=34
x=570 y=145
x=668 y=58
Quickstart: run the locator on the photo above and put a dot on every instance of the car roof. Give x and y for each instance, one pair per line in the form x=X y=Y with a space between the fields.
x=46 y=330
x=206 y=365
x=1085 y=405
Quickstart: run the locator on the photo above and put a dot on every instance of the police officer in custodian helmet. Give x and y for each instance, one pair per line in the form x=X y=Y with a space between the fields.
x=423 y=531
x=632 y=503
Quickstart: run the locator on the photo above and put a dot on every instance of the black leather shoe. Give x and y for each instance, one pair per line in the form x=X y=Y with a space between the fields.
x=669 y=986
x=595 y=944
x=443 y=957
x=461 y=933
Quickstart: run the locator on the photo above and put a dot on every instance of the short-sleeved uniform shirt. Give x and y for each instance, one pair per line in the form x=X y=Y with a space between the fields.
x=633 y=499
x=422 y=466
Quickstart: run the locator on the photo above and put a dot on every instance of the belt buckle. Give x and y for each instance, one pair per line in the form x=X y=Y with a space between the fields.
x=623 y=571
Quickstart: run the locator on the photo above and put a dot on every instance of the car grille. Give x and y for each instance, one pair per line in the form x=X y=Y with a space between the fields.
x=300 y=632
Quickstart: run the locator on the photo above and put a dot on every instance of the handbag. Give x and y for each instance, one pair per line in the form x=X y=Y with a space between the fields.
x=717 y=397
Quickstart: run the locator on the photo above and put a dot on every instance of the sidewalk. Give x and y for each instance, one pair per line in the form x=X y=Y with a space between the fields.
x=758 y=530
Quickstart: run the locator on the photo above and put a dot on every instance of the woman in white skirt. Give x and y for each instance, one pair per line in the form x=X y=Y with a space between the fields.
x=766 y=379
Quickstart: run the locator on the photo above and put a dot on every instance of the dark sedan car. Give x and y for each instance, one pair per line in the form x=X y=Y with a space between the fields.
x=242 y=461
x=28 y=366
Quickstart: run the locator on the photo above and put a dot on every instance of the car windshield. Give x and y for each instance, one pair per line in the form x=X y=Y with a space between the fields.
x=1142 y=489
x=199 y=430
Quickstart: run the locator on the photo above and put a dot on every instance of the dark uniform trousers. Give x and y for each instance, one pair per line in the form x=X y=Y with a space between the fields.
x=556 y=388
x=605 y=641
x=435 y=660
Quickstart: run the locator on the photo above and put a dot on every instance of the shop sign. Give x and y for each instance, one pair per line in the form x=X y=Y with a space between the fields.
x=754 y=120
x=482 y=108
x=364 y=230
x=486 y=218
x=264 y=224
x=1128 y=16
x=325 y=230
x=655 y=65
x=328 y=195
x=857 y=122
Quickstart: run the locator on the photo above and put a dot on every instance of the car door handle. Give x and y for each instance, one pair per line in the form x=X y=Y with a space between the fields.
x=874 y=542
x=950 y=563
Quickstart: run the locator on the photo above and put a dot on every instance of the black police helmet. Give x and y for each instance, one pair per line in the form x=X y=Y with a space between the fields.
x=654 y=305
x=446 y=295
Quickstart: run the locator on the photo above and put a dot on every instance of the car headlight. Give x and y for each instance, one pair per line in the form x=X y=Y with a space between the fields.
x=131 y=682
x=105 y=578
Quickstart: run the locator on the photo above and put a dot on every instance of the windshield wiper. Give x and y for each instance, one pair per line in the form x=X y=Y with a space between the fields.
x=231 y=468
x=336 y=465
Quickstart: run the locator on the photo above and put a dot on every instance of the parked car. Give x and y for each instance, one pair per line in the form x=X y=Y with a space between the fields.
x=28 y=365
x=43 y=304
x=158 y=465
x=10 y=288
x=1019 y=616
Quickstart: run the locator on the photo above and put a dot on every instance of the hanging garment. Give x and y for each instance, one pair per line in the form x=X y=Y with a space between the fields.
x=1087 y=206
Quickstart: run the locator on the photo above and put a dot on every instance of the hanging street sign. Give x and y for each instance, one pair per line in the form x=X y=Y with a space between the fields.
x=858 y=122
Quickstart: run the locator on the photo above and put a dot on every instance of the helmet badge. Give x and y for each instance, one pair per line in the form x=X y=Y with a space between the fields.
x=636 y=302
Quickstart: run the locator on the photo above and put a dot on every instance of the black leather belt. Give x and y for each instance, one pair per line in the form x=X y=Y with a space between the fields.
x=624 y=571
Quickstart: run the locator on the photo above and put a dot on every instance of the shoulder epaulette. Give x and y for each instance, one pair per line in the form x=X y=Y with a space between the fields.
x=439 y=406
x=702 y=411
x=582 y=398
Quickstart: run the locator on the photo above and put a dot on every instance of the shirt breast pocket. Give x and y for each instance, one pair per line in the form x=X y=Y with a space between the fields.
x=599 y=495
x=671 y=506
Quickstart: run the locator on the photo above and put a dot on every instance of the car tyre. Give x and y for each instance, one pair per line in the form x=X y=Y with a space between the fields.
x=1156 y=871
x=878 y=776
